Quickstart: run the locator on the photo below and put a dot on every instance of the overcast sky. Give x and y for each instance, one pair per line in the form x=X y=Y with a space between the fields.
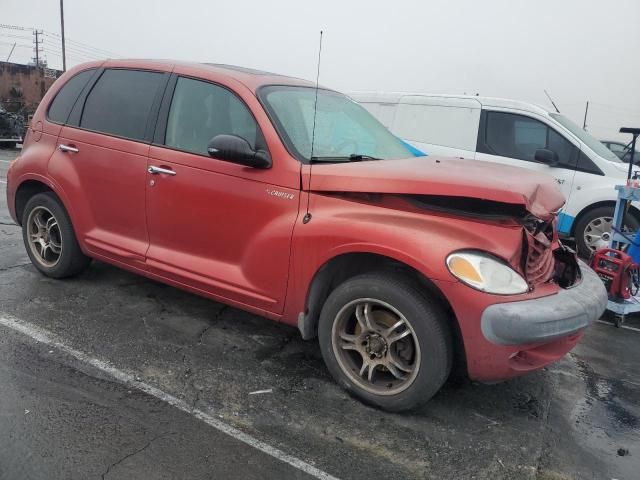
x=578 y=50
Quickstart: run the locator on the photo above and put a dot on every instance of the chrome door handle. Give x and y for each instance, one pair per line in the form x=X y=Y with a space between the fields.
x=156 y=170
x=67 y=148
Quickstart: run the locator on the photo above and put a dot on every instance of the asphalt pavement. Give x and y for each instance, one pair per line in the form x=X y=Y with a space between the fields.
x=110 y=375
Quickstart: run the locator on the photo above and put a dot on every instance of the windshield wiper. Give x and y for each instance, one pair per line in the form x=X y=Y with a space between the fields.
x=354 y=157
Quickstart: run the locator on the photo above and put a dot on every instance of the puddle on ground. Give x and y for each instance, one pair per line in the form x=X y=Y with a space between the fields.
x=605 y=418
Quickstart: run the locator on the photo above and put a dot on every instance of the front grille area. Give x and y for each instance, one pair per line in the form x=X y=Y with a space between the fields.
x=540 y=242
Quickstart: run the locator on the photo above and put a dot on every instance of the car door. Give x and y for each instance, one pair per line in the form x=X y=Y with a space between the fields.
x=513 y=139
x=216 y=226
x=101 y=162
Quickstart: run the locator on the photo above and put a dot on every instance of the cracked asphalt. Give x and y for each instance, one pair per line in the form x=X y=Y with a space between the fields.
x=61 y=418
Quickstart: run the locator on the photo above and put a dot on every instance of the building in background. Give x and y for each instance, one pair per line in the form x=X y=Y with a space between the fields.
x=23 y=86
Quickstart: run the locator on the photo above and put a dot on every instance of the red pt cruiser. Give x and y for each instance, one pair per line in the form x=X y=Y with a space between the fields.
x=258 y=191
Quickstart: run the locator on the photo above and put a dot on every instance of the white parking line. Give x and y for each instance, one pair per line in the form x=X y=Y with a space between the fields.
x=47 y=338
x=6 y=161
x=2 y=181
x=626 y=327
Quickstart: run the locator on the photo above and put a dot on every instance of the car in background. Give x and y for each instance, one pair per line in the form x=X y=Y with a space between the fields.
x=516 y=133
x=12 y=128
x=622 y=150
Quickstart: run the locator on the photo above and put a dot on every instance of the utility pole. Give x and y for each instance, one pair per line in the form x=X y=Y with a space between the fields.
x=64 y=53
x=38 y=41
x=584 y=124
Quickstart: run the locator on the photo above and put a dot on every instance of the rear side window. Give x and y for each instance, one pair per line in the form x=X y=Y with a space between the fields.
x=65 y=99
x=452 y=125
x=200 y=111
x=120 y=102
x=518 y=136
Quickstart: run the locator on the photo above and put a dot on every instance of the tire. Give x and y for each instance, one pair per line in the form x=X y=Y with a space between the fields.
x=427 y=347
x=588 y=223
x=66 y=259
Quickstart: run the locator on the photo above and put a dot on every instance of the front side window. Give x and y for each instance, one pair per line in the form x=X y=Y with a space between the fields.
x=342 y=127
x=517 y=136
x=585 y=137
x=120 y=102
x=201 y=110
x=65 y=99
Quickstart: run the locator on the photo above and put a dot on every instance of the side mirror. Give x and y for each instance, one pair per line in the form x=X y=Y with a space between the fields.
x=549 y=157
x=232 y=148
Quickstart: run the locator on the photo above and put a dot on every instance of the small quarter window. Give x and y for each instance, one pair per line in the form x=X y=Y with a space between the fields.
x=120 y=102
x=65 y=99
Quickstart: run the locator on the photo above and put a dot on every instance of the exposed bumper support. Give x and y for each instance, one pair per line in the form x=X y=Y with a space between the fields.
x=548 y=318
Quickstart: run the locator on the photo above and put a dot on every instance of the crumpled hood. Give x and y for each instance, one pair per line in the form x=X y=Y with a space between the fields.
x=443 y=176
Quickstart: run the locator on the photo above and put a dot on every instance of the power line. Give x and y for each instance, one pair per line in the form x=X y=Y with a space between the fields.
x=59 y=55
x=78 y=53
x=14 y=27
x=70 y=54
x=9 y=35
x=82 y=45
x=82 y=51
x=75 y=53
x=17 y=44
x=73 y=49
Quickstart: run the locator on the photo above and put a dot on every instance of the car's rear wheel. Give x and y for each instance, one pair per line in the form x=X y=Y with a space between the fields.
x=594 y=229
x=49 y=238
x=385 y=342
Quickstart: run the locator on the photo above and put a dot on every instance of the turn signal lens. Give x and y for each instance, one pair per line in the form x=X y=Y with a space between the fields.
x=463 y=269
x=485 y=272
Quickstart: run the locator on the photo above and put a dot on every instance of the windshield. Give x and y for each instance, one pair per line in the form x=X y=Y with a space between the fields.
x=586 y=138
x=343 y=128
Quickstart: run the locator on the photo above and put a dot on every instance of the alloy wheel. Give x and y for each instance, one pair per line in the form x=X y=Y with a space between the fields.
x=376 y=346
x=44 y=237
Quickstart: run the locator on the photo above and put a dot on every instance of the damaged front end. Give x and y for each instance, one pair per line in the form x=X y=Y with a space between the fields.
x=543 y=257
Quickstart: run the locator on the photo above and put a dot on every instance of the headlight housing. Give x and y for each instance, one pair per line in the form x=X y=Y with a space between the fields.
x=486 y=273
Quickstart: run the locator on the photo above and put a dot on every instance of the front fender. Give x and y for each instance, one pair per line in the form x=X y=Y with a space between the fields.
x=422 y=240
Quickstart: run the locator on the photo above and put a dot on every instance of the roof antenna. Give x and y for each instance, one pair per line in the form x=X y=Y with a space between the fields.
x=551 y=100
x=307 y=215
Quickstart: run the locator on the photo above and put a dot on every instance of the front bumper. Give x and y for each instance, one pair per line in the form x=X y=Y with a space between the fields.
x=506 y=337
x=546 y=319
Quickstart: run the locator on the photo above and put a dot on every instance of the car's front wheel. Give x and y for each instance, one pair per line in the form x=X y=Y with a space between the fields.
x=385 y=341
x=49 y=238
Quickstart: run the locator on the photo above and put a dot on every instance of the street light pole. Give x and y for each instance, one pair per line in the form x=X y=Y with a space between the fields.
x=64 y=54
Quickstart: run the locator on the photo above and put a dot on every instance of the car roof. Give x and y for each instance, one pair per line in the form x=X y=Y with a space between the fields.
x=394 y=97
x=251 y=78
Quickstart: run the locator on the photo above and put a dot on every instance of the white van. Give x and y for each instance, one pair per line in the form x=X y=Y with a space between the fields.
x=516 y=133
